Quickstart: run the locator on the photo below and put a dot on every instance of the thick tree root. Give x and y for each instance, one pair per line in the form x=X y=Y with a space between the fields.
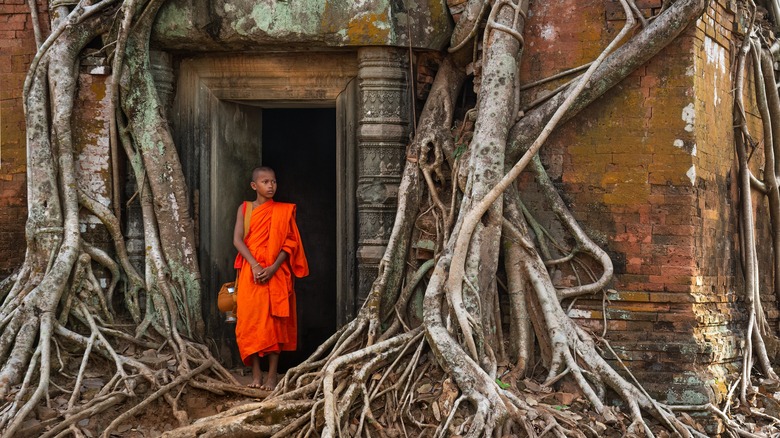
x=55 y=299
x=382 y=374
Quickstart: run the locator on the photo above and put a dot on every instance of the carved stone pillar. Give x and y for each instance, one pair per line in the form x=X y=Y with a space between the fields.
x=161 y=65
x=383 y=130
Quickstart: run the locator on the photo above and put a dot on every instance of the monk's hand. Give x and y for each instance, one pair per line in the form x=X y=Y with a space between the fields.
x=266 y=273
x=256 y=271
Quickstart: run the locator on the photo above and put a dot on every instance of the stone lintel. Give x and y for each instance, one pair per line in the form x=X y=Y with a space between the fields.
x=271 y=25
x=281 y=77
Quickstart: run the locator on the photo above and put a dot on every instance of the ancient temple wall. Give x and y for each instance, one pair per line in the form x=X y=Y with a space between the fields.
x=257 y=25
x=648 y=170
x=717 y=286
x=17 y=48
x=93 y=156
x=90 y=128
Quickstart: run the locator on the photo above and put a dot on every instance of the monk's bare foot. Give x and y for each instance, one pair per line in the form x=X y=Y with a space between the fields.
x=270 y=382
x=257 y=375
x=256 y=378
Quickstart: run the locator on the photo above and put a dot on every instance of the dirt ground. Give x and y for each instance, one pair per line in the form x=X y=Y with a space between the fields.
x=156 y=418
x=430 y=400
x=197 y=403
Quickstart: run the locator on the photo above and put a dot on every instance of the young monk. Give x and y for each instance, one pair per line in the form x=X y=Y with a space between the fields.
x=269 y=256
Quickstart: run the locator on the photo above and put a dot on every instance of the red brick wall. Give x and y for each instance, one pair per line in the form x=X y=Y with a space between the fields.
x=646 y=170
x=91 y=140
x=718 y=282
x=17 y=48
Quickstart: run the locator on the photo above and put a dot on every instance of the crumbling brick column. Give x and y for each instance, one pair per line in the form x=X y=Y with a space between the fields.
x=648 y=170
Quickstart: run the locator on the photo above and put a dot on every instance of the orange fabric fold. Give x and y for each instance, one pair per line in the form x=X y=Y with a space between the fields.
x=266 y=314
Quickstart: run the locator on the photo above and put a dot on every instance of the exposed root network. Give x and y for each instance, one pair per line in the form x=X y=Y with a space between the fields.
x=442 y=369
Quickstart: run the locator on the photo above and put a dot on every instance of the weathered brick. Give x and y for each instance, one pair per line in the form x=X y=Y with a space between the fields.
x=17 y=48
x=674 y=230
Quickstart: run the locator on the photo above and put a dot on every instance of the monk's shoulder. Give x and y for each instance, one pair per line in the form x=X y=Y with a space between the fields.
x=284 y=206
x=286 y=209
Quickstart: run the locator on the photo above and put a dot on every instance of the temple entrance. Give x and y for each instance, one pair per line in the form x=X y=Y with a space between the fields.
x=300 y=144
x=231 y=113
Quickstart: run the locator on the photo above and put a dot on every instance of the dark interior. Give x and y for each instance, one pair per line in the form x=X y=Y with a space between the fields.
x=300 y=145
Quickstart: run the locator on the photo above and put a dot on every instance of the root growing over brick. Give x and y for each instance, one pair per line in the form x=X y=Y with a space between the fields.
x=55 y=298
x=364 y=380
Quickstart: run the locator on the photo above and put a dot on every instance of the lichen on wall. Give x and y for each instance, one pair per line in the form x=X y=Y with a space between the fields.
x=281 y=18
x=270 y=24
x=93 y=163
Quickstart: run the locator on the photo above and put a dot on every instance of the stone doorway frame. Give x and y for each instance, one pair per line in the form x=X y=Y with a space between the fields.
x=208 y=83
x=369 y=89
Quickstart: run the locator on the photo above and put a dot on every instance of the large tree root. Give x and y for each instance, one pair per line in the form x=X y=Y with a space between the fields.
x=383 y=374
x=359 y=384
x=55 y=299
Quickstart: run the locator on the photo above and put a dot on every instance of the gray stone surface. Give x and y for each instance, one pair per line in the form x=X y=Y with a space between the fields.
x=257 y=25
x=383 y=133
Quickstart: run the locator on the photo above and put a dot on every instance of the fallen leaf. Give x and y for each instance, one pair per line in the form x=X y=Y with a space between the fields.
x=566 y=398
x=425 y=387
x=93 y=382
x=449 y=393
x=501 y=384
x=90 y=373
x=532 y=386
x=27 y=424
x=45 y=413
x=687 y=419
x=769 y=385
x=436 y=412
x=60 y=401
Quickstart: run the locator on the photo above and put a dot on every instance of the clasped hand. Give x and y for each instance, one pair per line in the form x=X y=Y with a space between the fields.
x=261 y=275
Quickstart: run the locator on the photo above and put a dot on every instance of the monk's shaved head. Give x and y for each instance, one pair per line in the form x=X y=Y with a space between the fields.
x=257 y=170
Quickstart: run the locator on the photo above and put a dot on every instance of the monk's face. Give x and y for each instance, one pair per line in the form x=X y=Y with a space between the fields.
x=265 y=184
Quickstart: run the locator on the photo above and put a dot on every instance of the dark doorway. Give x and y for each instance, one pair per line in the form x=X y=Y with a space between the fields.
x=300 y=144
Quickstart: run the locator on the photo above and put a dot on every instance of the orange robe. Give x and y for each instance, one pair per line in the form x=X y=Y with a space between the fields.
x=266 y=315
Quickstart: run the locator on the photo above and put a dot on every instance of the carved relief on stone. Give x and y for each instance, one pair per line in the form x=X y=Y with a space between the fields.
x=161 y=65
x=378 y=191
x=380 y=159
x=375 y=225
x=382 y=73
x=382 y=104
x=383 y=130
x=366 y=276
